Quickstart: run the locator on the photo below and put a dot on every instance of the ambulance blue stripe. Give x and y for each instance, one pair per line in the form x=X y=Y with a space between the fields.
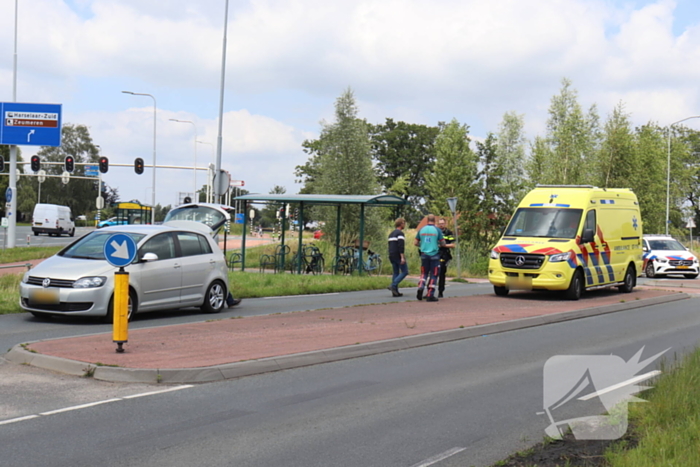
x=539 y=205
x=607 y=201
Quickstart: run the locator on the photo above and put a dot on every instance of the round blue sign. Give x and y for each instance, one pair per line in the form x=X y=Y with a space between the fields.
x=8 y=194
x=120 y=250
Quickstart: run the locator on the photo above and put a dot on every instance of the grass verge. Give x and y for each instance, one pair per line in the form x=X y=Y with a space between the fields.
x=16 y=255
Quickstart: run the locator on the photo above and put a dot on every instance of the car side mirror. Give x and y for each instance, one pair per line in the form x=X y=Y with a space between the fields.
x=149 y=257
x=587 y=236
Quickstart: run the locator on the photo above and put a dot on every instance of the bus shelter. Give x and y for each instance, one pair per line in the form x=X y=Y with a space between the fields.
x=305 y=200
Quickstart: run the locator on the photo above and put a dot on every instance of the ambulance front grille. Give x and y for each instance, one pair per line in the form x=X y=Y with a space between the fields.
x=521 y=260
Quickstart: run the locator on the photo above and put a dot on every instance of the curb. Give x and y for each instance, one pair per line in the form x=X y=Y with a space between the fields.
x=19 y=355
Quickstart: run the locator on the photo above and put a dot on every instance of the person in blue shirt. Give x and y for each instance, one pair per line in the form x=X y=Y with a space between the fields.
x=429 y=239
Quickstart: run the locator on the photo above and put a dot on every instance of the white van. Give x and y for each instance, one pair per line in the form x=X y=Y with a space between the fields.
x=52 y=219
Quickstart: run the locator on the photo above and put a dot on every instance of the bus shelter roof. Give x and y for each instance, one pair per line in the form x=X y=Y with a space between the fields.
x=373 y=200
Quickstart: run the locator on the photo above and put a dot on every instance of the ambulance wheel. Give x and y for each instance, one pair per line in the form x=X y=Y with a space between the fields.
x=500 y=291
x=690 y=276
x=649 y=270
x=628 y=283
x=575 y=289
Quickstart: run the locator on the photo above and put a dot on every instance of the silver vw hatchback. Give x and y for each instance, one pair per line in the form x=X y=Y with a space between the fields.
x=176 y=267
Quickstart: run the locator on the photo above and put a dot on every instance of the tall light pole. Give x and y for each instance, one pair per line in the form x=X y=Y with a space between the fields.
x=195 y=154
x=213 y=159
x=12 y=183
x=668 y=167
x=217 y=166
x=153 y=194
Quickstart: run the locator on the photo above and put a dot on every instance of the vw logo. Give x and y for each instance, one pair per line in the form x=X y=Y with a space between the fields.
x=47 y=282
x=519 y=261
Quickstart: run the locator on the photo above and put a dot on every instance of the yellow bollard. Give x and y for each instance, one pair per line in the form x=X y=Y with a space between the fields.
x=121 y=308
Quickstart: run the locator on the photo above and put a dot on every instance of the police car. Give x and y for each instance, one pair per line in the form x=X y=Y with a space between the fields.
x=664 y=255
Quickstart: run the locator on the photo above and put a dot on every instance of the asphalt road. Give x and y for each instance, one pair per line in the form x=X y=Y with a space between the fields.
x=25 y=237
x=471 y=401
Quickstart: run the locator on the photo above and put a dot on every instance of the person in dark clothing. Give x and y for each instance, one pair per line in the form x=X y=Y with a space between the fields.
x=445 y=254
x=230 y=301
x=397 y=256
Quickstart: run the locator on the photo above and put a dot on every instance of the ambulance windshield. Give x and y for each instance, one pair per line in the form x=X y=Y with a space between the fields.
x=545 y=222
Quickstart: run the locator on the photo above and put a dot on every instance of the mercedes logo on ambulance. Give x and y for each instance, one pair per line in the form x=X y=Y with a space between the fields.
x=519 y=260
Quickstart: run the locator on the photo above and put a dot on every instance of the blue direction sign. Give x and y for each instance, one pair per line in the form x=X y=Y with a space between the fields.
x=91 y=170
x=30 y=124
x=120 y=250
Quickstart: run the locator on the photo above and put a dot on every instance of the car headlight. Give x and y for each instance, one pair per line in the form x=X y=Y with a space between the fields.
x=663 y=260
x=494 y=254
x=25 y=277
x=559 y=257
x=89 y=282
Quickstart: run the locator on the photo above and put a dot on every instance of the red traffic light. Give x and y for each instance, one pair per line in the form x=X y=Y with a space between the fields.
x=104 y=165
x=35 y=163
x=69 y=164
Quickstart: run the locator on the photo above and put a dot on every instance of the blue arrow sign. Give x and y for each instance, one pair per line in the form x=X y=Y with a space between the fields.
x=30 y=124
x=120 y=250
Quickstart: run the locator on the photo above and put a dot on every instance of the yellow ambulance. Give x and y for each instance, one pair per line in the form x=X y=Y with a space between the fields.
x=572 y=239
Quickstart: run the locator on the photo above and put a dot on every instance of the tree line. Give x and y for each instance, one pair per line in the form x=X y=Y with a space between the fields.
x=428 y=164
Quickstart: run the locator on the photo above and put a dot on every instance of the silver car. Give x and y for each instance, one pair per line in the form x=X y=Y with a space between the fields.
x=176 y=267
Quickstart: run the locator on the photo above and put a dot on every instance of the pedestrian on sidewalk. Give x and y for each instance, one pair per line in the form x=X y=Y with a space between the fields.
x=445 y=254
x=397 y=256
x=429 y=239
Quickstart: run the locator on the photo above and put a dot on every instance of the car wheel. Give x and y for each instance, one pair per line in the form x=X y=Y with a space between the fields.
x=36 y=234
x=575 y=289
x=215 y=298
x=71 y=233
x=130 y=311
x=500 y=291
x=649 y=270
x=690 y=276
x=628 y=283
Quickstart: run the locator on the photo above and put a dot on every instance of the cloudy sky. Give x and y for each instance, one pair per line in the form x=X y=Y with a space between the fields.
x=420 y=61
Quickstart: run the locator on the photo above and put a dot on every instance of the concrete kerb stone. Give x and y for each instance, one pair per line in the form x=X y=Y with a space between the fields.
x=253 y=367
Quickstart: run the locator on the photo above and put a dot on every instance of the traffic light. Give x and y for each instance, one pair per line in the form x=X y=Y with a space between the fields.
x=104 y=165
x=138 y=165
x=36 y=163
x=69 y=164
x=2 y=164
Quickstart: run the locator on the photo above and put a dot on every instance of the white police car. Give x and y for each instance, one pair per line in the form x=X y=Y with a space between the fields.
x=664 y=255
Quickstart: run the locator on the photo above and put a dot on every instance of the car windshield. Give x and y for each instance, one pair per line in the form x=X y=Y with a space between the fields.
x=545 y=222
x=666 y=244
x=92 y=245
x=204 y=214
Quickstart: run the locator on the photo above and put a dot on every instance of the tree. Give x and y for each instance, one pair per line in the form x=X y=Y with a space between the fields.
x=511 y=184
x=616 y=157
x=649 y=182
x=404 y=153
x=566 y=155
x=454 y=173
x=341 y=163
x=269 y=212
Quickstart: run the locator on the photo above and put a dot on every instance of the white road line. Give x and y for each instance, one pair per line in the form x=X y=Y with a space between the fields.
x=634 y=380
x=20 y=419
x=93 y=404
x=176 y=388
x=435 y=459
x=78 y=407
x=301 y=296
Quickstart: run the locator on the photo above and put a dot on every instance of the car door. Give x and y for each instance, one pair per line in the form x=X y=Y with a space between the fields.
x=160 y=280
x=198 y=263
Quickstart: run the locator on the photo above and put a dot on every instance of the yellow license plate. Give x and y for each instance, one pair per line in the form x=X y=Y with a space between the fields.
x=682 y=267
x=44 y=296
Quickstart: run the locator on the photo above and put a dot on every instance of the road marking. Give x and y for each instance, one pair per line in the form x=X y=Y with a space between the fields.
x=20 y=419
x=440 y=457
x=93 y=404
x=301 y=296
x=634 y=380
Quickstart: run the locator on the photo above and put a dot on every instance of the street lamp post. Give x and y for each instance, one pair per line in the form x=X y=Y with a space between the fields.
x=668 y=168
x=209 y=182
x=153 y=194
x=195 y=154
